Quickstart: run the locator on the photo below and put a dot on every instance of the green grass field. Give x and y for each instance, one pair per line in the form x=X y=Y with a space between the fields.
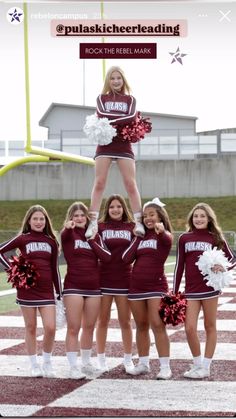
x=12 y=212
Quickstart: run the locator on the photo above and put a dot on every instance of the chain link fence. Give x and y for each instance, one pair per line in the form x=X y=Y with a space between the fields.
x=230 y=237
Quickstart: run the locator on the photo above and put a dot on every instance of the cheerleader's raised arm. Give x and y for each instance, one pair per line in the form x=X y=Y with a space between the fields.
x=129 y=254
x=100 y=249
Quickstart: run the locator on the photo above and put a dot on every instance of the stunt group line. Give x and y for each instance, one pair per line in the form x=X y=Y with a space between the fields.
x=116 y=256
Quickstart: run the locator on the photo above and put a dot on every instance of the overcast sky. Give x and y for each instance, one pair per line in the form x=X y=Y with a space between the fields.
x=202 y=86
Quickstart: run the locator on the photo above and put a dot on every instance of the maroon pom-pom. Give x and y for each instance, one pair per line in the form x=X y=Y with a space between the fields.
x=135 y=130
x=22 y=273
x=173 y=308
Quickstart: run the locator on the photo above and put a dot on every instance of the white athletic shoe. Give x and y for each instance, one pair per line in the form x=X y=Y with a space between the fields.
x=76 y=373
x=139 y=369
x=48 y=370
x=92 y=228
x=89 y=368
x=139 y=229
x=164 y=374
x=128 y=366
x=36 y=371
x=192 y=368
x=197 y=373
x=102 y=367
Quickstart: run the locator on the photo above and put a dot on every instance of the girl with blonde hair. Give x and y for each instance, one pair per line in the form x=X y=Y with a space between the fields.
x=203 y=233
x=116 y=104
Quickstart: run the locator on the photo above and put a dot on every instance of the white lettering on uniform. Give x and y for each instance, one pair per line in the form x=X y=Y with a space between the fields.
x=38 y=247
x=116 y=234
x=116 y=106
x=82 y=245
x=197 y=246
x=151 y=244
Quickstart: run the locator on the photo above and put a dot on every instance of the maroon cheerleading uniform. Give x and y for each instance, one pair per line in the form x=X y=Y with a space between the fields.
x=82 y=257
x=190 y=246
x=121 y=109
x=148 y=276
x=42 y=251
x=116 y=274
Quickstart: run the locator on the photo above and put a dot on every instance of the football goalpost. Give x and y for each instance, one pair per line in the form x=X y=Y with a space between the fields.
x=39 y=154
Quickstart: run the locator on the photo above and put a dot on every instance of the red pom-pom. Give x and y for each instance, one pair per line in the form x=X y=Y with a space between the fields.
x=135 y=130
x=173 y=308
x=22 y=273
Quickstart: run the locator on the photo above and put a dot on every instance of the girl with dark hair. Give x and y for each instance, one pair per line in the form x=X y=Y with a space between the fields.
x=148 y=284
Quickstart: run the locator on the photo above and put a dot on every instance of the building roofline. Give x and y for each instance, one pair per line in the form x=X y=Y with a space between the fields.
x=92 y=108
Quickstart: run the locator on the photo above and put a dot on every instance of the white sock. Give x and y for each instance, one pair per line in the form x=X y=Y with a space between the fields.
x=206 y=363
x=127 y=358
x=47 y=357
x=138 y=217
x=101 y=359
x=164 y=361
x=93 y=215
x=85 y=355
x=33 y=360
x=144 y=360
x=197 y=361
x=72 y=358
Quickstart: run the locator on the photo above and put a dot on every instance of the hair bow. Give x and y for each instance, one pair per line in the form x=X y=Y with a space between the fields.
x=155 y=201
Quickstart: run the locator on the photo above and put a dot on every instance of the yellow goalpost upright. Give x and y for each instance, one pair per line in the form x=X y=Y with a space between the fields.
x=40 y=154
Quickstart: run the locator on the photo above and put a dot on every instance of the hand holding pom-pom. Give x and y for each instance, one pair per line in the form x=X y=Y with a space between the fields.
x=22 y=273
x=173 y=308
x=135 y=130
x=207 y=263
x=99 y=130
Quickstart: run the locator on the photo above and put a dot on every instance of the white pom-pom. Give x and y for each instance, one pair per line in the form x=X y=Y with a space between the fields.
x=207 y=260
x=60 y=314
x=99 y=130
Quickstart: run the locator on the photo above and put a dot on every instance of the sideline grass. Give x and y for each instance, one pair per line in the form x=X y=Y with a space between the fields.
x=8 y=303
x=12 y=212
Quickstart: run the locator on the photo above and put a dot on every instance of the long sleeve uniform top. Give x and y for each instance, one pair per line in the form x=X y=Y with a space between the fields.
x=42 y=250
x=82 y=257
x=190 y=246
x=149 y=255
x=121 y=110
x=116 y=274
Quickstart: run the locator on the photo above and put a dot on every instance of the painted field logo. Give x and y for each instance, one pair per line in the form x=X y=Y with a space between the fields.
x=15 y=15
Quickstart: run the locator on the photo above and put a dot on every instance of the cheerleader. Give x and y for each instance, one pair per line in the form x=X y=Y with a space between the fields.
x=81 y=294
x=203 y=233
x=116 y=104
x=37 y=243
x=149 y=284
x=116 y=228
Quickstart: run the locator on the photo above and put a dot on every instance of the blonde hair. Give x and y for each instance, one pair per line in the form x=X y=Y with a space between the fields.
x=48 y=229
x=126 y=216
x=75 y=207
x=163 y=215
x=107 y=88
x=212 y=225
